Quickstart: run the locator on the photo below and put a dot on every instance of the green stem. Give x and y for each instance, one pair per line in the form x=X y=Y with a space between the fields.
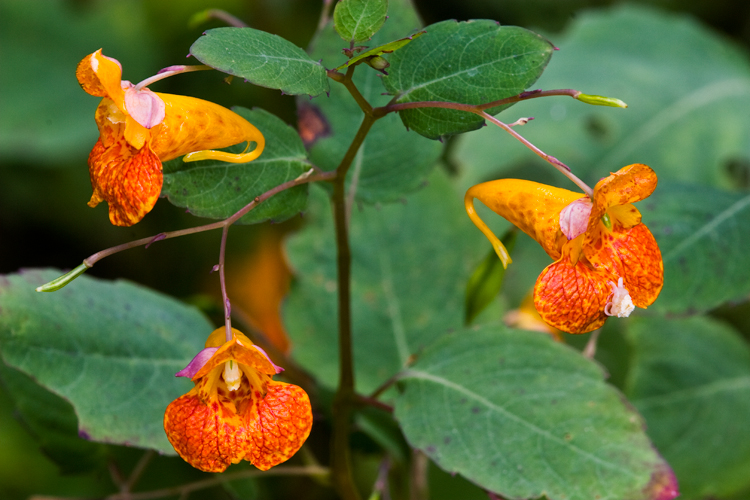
x=345 y=398
x=354 y=91
x=313 y=175
x=473 y=108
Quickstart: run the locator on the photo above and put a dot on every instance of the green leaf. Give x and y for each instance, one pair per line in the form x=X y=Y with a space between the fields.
x=641 y=56
x=218 y=189
x=379 y=51
x=524 y=416
x=261 y=58
x=390 y=162
x=486 y=281
x=690 y=379
x=52 y=421
x=358 y=20
x=469 y=62
x=410 y=263
x=110 y=349
x=703 y=234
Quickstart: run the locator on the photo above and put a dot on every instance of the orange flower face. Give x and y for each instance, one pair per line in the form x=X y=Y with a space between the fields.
x=236 y=411
x=606 y=261
x=140 y=129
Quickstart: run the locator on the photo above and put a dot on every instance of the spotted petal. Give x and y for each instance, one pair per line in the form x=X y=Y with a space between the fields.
x=193 y=125
x=642 y=266
x=532 y=207
x=206 y=435
x=128 y=180
x=628 y=185
x=283 y=422
x=572 y=298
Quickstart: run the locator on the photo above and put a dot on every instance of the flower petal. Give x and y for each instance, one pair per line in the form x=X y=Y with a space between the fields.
x=240 y=349
x=101 y=76
x=205 y=435
x=144 y=106
x=197 y=362
x=629 y=184
x=192 y=125
x=264 y=353
x=282 y=425
x=574 y=218
x=643 y=269
x=534 y=208
x=127 y=179
x=572 y=298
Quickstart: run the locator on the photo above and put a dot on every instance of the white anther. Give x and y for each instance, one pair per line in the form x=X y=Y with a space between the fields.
x=620 y=304
x=232 y=375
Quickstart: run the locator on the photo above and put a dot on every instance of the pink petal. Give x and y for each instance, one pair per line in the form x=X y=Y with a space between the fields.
x=145 y=107
x=574 y=219
x=197 y=363
x=275 y=366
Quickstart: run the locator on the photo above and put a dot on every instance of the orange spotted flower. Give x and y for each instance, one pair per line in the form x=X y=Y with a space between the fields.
x=236 y=411
x=139 y=129
x=606 y=261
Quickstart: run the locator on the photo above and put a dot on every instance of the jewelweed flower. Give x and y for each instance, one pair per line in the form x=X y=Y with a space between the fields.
x=139 y=129
x=236 y=411
x=607 y=262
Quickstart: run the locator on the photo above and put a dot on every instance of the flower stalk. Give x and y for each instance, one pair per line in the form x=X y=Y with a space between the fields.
x=89 y=262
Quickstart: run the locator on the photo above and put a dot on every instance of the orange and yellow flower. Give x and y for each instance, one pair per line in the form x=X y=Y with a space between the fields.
x=139 y=129
x=607 y=262
x=236 y=411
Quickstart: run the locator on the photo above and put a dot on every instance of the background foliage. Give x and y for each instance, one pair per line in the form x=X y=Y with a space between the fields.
x=684 y=363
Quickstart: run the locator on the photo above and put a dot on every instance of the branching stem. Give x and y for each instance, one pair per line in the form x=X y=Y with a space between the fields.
x=345 y=395
x=322 y=176
x=354 y=91
x=346 y=398
x=473 y=108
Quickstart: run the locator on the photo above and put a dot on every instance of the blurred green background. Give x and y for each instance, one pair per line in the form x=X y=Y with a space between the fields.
x=47 y=130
